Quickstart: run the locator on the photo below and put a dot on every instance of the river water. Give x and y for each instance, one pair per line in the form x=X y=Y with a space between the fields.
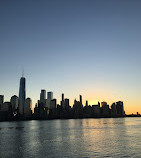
x=109 y=137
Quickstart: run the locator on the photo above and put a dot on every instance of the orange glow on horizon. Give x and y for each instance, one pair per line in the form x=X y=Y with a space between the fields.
x=93 y=102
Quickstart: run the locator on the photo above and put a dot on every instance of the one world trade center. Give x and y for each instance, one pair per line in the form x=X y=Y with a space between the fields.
x=22 y=95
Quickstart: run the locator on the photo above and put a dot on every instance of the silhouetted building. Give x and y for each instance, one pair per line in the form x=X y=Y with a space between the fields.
x=63 y=101
x=28 y=108
x=6 y=106
x=86 y=103
x=53 y=104
x=81 y=99
x=62 y=96
x=105 y=109
x=96 y=110
x=1 y=100
x=87 y=111
x=6 y=112
x=113 y=110
x=120 y=109
x=43 y=96
x=22 y=95
x=67 y=103
x=40 y=111
x=48 y=100
x=36 y=112
x=48 y=103
x=77 y=109
x=50 y=95
x=14 y=102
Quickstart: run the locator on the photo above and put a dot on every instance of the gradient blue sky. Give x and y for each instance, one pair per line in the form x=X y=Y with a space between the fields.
x=88 y=47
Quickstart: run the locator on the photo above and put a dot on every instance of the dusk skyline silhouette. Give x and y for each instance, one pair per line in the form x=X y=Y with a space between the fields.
x=73 y=47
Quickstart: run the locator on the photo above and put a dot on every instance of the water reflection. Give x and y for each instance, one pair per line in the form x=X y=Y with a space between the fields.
x=119 y=137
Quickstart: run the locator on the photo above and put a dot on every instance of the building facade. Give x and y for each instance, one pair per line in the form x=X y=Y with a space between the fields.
x=22 y=95
x=14 y=102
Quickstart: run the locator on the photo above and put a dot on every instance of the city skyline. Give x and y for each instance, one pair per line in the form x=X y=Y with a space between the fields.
x=25 y=103
x=20 y=108
x=75 y=47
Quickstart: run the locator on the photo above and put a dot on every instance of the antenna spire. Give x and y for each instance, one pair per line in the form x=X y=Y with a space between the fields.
x=23 y=72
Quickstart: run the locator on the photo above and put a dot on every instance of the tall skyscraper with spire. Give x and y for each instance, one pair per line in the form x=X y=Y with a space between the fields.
x=22 y=95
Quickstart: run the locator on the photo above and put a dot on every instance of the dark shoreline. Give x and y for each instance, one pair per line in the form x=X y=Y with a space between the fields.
x=17 y=120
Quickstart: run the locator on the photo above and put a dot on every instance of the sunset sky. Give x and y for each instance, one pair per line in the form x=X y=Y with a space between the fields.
x=88 y=47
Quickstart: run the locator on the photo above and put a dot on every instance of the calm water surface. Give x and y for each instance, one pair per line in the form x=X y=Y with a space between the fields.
x=114 y=137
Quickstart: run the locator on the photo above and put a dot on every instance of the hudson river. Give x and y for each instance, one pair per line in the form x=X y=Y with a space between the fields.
x=111 y=137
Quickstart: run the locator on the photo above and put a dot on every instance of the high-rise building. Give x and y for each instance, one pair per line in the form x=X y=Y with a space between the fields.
x=103 y=103
x=1 y=99
x=86 y=102
x=113 y=110
x=81 y=99
x=22 y=95
x=14 y=102
x=62 y=96
x=43 y=96
x=105 y=109
x=48 y=103
x=53 y=104
x=50 y=95
x=120 y=108
x=6 y=106
x=63 y=101
x=78 y=109
x=28 y=107
x=67 y=103
x=49 y=98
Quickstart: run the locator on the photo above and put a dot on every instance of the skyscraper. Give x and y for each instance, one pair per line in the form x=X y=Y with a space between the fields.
x=120 y=108
x=63 y=101
x=53 y=104
x=49 y=98
x=42 y=96
x=50 y=95
x=67 y=103
x=1 y=99
x=22 y=95
x=105 y=109
x=62 y=96
x=81 y=101
x=28 y=108
x=86 y=102
x=14 y=102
